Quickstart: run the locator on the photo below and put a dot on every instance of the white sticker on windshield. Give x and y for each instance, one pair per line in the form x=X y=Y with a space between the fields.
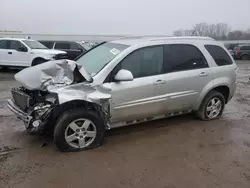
x=115 y=51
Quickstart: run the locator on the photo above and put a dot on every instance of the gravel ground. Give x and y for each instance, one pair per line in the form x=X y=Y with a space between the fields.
x=171 y=153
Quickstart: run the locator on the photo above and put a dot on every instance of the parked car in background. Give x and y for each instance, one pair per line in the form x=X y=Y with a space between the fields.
x=230 y=46
x=72 y=48
x=25 y=52
x=88 y=45
x=124 y=82
x=242 y=52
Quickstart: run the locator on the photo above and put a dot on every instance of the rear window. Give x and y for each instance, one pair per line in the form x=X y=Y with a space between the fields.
x=219 y=55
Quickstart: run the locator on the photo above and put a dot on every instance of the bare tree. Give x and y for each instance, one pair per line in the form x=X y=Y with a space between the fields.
x=182 y=32
x=216 y=31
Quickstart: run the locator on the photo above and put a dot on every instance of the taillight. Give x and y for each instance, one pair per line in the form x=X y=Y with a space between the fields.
x=237 y=52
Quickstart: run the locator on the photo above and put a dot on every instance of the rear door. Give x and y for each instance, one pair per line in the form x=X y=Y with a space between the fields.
x=245 y=50
x=186 y=74
x=4 y=52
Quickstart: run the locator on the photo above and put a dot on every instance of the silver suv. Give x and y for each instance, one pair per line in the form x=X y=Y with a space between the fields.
x=124 y=82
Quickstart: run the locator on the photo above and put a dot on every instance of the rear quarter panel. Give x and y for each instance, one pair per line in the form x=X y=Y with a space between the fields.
x=221 y=75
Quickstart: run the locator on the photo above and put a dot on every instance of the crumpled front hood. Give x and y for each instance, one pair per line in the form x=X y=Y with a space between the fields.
x=51 y=73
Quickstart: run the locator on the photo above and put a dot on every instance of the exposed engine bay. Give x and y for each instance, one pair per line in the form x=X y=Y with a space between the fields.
x=52 y=87
x=35 y=105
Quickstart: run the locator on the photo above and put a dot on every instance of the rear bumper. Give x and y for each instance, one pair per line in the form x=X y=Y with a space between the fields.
x=19 y=113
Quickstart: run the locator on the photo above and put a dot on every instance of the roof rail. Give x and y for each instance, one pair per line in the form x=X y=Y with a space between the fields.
x=184 y=37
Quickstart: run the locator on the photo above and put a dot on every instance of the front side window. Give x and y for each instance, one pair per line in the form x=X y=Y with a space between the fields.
x=181 y=57
x=15 y=45
x=34 y=44
x=97 y=58
x=219 y=55
x=62 y=45
x=144 y=62
x=3 y=44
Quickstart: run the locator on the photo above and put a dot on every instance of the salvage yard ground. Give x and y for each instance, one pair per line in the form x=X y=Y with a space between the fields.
x=171 y=153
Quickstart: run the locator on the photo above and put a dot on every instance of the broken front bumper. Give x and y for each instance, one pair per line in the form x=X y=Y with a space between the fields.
x=19 y=113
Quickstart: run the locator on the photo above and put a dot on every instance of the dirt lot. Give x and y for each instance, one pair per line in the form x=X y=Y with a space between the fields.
x=171 y=153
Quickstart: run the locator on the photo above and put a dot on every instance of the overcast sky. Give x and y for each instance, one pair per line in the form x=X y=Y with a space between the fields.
x=119 y=16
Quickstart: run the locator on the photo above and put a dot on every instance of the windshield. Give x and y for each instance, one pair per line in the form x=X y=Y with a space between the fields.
x=94 y=60
x=34 y=44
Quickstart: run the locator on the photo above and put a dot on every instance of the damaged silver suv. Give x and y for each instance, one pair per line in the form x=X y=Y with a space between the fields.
x=124 y=82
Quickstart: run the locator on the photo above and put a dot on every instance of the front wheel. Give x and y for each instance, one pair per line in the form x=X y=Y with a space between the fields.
x=212 y=106
x=38 y=61
x=79 y=129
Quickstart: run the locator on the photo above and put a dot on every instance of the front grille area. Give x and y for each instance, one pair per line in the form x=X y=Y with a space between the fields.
x=21 y=99
x=61 y=56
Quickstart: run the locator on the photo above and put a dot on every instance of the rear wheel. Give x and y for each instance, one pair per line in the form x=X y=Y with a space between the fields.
x=38 y=61
x=212 y=106
x=78 y=129
x=245 y=57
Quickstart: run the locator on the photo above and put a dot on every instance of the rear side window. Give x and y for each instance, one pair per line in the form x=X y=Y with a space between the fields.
x=219 y=55
x=48 y=44
x=181 y=57
x=3 y=44
x=62 y=45
x=245 y=48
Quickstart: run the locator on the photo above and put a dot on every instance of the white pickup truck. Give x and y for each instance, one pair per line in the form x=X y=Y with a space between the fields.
x=25 y=52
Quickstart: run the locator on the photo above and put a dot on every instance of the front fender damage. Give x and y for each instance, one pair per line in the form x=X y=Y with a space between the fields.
x=98 y=97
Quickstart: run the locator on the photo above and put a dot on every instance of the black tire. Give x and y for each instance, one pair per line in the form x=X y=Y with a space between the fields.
x=38 y=61
x=68 y=117
x=245 y=57
x=202 y=111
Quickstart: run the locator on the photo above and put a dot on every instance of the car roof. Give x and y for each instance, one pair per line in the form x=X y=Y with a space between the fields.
x=19 y=39
x=241 y=45
x=56 y=41
x=148 y=39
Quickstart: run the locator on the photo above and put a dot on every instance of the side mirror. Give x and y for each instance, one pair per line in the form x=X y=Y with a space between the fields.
x=22 y=49
x=124 y=75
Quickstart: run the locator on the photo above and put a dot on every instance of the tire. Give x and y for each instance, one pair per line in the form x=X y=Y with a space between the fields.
x=66 y=128
x=37 y=61
x=245 y=57
x=204 y=114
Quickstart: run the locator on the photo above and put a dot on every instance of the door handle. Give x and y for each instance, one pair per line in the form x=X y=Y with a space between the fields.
x=202 y=74
x=159 y=82
x=9 y=52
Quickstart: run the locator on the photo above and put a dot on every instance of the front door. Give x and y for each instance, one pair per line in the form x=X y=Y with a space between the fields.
x=133 y=100
x=4 y=52
x=16 y=56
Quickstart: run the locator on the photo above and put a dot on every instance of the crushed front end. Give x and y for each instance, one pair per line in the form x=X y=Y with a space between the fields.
x=33 y=107
x=51 y=88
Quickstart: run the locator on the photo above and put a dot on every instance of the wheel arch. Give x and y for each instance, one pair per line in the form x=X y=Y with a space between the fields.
x=38 y=58
x=222 y=86
x=61 y=108
x=244 y=54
